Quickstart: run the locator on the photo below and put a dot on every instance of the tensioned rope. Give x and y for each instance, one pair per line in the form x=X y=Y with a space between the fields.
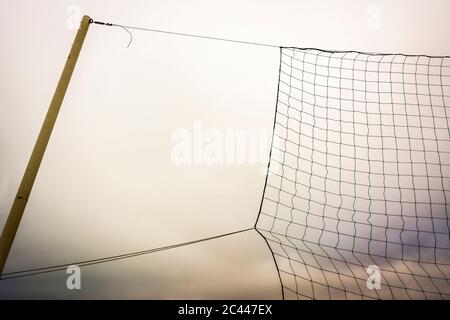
x=251 y=43
x=60 y=267
x=126 y=27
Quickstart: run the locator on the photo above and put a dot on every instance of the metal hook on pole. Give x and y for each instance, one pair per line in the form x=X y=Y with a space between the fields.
x=115 y=25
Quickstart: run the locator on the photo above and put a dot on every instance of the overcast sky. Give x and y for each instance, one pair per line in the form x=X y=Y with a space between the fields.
x=108 y=184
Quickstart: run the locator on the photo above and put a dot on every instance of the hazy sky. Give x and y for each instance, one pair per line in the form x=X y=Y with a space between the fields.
x=108 y=185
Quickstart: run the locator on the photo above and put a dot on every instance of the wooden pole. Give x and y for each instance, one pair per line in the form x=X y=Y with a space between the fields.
x=20 y=202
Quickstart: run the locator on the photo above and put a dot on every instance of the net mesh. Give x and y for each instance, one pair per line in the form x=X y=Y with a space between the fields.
x=358 y=177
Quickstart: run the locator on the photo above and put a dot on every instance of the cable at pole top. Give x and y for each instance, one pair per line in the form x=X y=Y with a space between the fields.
x=99 y=22
x=126 y=27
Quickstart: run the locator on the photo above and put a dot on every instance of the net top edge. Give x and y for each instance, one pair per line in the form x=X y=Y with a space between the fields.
x=364 y=53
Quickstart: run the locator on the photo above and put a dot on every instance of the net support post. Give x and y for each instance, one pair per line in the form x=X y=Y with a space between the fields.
x=23 y=193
